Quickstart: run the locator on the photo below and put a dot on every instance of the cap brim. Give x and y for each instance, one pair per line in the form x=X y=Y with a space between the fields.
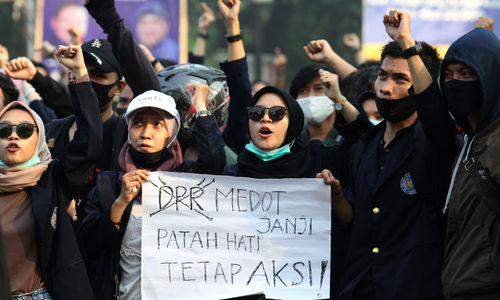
x=101 y=63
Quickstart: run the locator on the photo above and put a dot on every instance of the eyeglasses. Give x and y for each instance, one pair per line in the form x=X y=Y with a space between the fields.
x=275 y=113
x=23 y=130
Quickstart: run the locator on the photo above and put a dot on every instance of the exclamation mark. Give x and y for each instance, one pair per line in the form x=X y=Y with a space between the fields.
x=324 y=264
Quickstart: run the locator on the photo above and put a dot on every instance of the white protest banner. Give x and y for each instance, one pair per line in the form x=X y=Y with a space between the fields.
x=217 y=237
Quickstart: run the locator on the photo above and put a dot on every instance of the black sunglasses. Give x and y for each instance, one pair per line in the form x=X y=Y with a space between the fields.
x=275 y=113
x=23 y=130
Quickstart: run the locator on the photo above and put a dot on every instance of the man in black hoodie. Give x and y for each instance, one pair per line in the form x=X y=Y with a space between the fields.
x=469 y=88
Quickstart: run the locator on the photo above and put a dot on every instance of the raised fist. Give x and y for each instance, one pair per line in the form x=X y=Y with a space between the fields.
x=319 y=51
x=20 y=68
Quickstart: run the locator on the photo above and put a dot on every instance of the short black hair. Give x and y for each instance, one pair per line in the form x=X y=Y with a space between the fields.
x=429 y=56
x=302 y=78
x=360 y=81
x=10 y=92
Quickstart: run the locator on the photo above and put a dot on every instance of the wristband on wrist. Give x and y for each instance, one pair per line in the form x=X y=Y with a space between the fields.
x=412 y=51
x=202 y=35
x=154 y=62
x=201 y=112
x=234 y=38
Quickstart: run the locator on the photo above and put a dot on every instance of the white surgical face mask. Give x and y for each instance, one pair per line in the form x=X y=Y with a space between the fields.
x=316 y=108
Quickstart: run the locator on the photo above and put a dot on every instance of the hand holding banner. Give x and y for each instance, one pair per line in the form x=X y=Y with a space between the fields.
x=216 y=237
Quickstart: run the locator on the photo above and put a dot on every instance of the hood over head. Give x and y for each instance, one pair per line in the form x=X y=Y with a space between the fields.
x=480 y=50
x=41 y=146
x=295 y=114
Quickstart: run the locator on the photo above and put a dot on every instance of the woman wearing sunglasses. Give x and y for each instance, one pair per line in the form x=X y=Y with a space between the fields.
x=275 y=120
x=272 y=148
x=42 y=254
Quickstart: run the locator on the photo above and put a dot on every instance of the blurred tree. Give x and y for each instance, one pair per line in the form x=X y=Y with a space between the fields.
x=288 y=24
x=12 y=35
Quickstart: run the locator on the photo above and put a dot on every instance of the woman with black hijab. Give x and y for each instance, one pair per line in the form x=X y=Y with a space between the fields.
x=275 y=122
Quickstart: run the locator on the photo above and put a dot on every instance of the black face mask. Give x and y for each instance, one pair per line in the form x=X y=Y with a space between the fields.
x=395 y=110
x=149 y=160
x=101 y=91
x=120 y=111
x=463 y=97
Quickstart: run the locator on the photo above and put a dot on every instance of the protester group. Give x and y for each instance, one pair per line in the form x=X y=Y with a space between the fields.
x=409 y=147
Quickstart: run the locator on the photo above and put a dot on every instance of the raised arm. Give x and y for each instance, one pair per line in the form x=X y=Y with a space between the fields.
x=431 y=107
x=138 y=72
x=352 y=41
x=321 y=51
x=236 y=70
x=397 y=26
x=212 y=158
x=230 y=10
x=332 y=90
x=280 y=61
x=53 y=93
x=207 y=18
x=84 y=150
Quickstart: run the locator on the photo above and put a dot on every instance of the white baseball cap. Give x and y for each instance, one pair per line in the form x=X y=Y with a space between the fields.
x=156 y=100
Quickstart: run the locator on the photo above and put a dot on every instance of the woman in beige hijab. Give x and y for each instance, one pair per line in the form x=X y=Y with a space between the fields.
x=43 y=259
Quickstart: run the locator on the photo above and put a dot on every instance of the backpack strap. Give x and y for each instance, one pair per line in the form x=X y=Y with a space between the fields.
x=483 y=183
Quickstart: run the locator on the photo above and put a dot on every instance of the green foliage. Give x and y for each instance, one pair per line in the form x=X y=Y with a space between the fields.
x=288 y=24
x=11 y=33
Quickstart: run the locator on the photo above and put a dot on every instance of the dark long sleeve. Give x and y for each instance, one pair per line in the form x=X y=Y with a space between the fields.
x=45 y=112
x=85 y=149
x=240 y=91
x=54 y=94
x=195 y=59
x=432 y=111
x=351 y=132
x=4 y=272
x=212 y=158
x=98 y=233
x=138 y=72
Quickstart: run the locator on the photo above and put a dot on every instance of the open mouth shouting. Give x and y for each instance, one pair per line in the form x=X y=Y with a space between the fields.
x=265 y=132
x=12 y=147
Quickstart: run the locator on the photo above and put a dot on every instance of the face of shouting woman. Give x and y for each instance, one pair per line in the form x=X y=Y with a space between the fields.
x=17 y=147
x=268 y=134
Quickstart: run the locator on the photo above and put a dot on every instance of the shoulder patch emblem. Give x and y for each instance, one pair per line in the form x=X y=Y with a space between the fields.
x=406 y=184
x=53 y=219
x=51 y=142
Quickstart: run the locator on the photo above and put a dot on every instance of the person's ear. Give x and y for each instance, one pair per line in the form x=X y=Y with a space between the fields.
x=120 y=86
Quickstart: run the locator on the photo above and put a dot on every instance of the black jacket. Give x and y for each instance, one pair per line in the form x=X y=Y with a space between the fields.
x=61 y=264
x=101 y=239
x=397 y=228
x=4 y=274
x=55 y=95
x=472 y=250
x=140 y=76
